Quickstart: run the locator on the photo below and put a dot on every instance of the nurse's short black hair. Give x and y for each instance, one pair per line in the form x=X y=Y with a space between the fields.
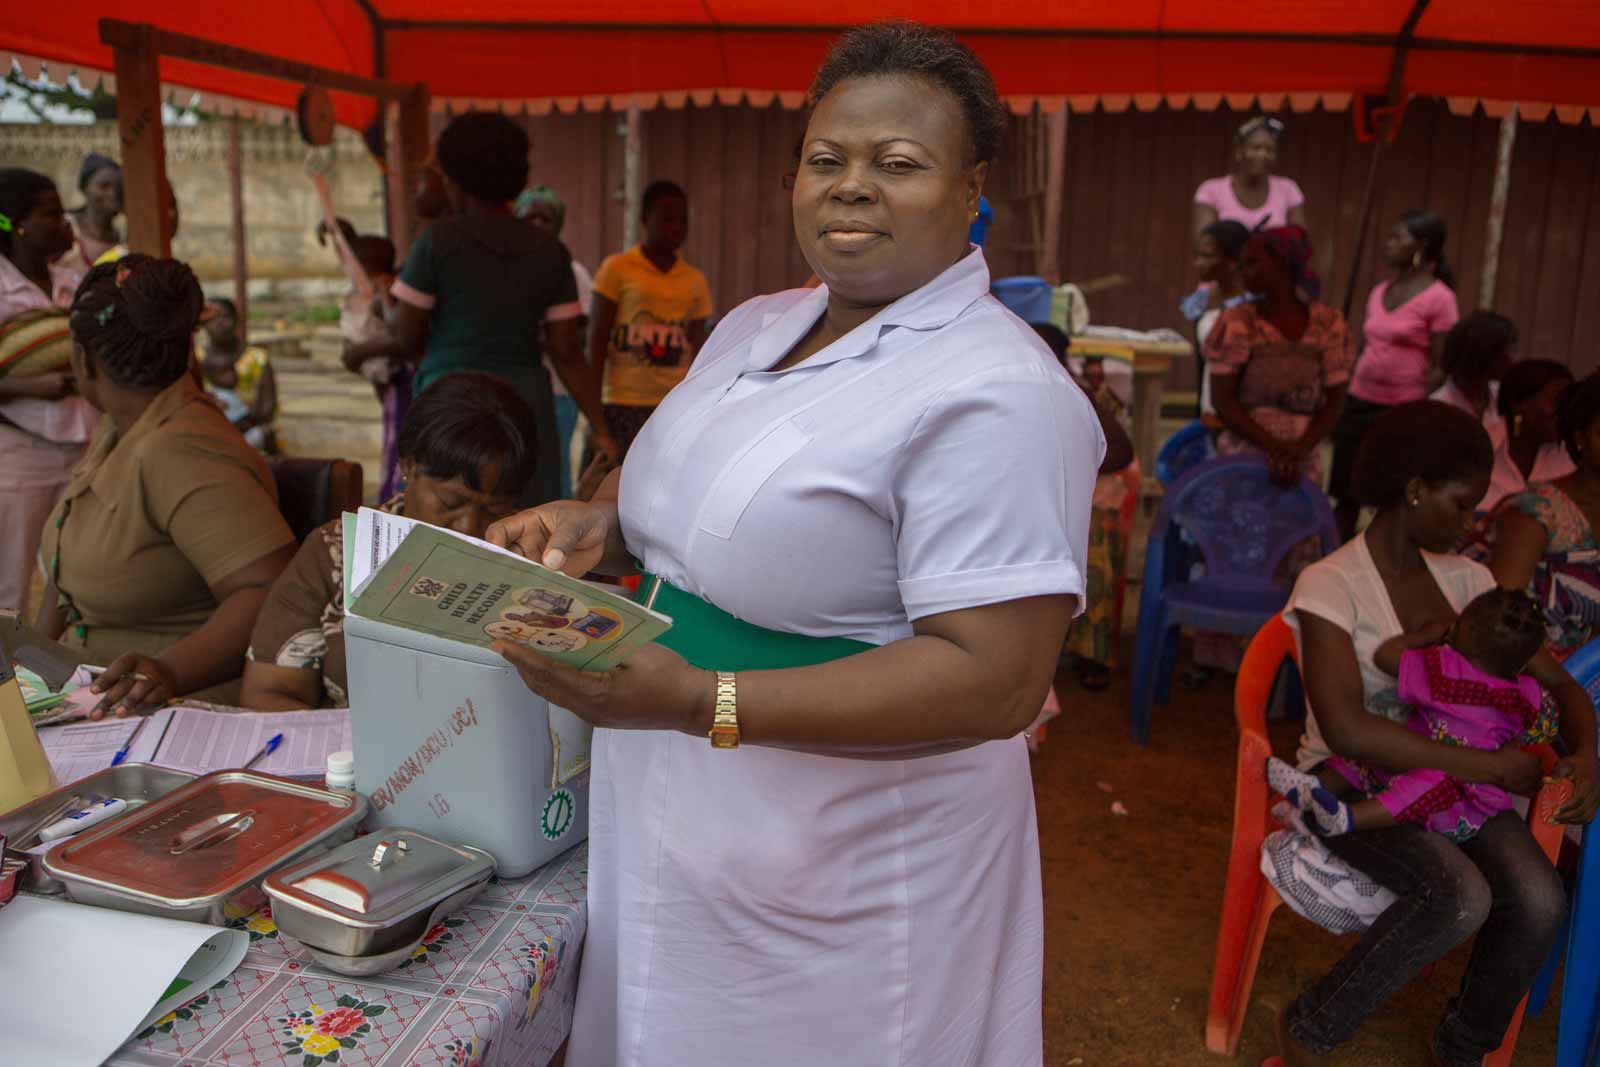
x=910 y=49
x=465 y=422
x=1424 y=439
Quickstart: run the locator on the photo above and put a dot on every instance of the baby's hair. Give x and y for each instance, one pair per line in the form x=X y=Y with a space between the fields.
x=1511 y=630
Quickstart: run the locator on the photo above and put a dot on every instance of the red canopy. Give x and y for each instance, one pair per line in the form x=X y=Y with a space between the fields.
x=1532 y=51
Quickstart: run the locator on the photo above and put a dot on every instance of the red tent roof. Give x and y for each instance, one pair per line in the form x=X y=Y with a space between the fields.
x=1533 y=51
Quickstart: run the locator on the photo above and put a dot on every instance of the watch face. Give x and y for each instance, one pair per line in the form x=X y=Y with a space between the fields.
x=724 y=737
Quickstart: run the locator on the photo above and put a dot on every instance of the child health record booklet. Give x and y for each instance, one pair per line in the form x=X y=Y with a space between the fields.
x=435 y=581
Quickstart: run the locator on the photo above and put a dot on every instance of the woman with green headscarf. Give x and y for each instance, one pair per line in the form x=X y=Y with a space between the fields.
x=542 y=209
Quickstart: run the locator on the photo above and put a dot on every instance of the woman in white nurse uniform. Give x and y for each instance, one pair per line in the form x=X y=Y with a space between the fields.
x=866 y=509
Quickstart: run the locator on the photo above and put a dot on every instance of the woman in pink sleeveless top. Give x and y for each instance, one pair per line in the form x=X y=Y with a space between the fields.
x=1252 y=195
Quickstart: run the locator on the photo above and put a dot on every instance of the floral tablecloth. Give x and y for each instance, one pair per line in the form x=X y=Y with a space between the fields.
x=492 y=984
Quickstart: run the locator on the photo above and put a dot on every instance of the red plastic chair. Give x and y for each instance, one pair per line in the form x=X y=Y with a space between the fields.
x=1133 y=480
x=1249 y=899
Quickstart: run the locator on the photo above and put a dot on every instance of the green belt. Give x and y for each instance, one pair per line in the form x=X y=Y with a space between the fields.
x=711 y=639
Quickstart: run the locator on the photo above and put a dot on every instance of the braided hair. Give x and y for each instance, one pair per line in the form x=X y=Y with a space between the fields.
x=1507 y=630
x=137 y=318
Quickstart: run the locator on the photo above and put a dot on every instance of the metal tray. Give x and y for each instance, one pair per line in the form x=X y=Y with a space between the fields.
x=137 y=783
x=374 y=896
x=204 y=846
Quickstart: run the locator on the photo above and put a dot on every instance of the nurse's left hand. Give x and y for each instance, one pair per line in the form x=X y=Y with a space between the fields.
x=656 y=689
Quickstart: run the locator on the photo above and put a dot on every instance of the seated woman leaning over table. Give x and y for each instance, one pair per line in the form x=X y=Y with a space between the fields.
x=161 y=549
x=465 y=454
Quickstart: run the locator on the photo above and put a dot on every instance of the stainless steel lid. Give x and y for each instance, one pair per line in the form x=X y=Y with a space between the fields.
x=379 y=880
x=205 y=840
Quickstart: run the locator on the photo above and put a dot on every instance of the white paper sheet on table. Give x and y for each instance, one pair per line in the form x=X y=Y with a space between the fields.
x=63 y=1006
x=77 y=750
x=200 y=740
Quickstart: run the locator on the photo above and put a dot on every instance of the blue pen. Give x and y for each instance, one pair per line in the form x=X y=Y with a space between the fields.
x=122 y=753
x=266 y=750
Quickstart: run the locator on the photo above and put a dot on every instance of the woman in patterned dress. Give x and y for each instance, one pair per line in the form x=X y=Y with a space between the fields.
x=1546 y=539
x=1280 y=364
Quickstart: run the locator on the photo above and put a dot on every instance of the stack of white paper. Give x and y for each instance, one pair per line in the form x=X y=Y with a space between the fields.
x=54 y=955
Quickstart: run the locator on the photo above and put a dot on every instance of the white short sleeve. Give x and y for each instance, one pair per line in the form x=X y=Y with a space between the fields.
x=993 y=491
x=1323 y=589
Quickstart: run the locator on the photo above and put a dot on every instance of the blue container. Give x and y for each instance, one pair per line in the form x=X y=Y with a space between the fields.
x=1028 y=298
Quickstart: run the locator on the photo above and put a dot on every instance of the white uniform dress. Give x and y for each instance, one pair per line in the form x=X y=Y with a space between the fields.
x=763 y=907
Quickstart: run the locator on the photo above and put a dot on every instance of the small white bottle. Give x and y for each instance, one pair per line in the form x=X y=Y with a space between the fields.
x=340 y=772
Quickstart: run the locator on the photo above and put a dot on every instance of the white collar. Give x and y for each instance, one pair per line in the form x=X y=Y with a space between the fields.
x=935 y=305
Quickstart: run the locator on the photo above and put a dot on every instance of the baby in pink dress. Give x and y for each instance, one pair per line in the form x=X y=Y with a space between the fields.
x=1469 y=691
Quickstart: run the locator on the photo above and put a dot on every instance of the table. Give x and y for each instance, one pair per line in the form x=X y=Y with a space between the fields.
x=1151 y=361
x=494 y=983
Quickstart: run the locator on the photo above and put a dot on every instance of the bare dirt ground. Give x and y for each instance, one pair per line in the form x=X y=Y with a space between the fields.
x=1132 y=902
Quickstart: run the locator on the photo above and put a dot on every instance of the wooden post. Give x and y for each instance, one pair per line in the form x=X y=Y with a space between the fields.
x=1055 y=191
x=1358 y=257
x=1382 y=127
x=632 y=175
x=144 y=150
x=1495 y=232
x=406 y=145
x=241 y=251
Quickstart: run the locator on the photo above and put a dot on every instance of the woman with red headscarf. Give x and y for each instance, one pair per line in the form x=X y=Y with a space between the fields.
x=1280 y=364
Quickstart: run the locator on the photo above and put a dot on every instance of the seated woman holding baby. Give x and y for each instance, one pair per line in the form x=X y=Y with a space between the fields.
x=465 y=453
x=1423 y=680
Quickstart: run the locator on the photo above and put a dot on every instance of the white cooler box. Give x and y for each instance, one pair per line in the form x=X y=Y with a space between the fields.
x=450 y=742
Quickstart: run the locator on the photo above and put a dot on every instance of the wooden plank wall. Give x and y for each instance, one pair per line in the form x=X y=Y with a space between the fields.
x=1129 y=181
x=732 y=161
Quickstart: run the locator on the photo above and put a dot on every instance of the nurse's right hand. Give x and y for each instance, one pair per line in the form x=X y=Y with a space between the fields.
x=565 y=535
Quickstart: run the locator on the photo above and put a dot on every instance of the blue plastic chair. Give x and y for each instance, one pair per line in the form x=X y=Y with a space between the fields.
x=1189 y=446
x=1244 y=526
x=1028 y=298
x=1578 y=1039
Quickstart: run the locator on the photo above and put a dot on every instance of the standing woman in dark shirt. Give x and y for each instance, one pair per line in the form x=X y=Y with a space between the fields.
x=480 y=288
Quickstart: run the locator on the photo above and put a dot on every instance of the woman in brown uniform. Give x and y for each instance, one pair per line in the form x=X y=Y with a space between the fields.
x=161 y=550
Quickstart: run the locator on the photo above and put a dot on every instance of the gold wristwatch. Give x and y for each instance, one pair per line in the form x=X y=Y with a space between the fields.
x=725 y=722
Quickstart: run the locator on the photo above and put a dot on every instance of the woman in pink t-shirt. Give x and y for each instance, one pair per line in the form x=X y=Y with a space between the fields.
x=1252 y=195
x=1408 y=316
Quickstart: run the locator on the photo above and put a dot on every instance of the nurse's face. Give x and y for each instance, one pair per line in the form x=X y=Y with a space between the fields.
x=885 y=192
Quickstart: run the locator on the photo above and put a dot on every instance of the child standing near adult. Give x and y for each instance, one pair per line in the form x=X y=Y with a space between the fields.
x=239 y=375
x=649 y=315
